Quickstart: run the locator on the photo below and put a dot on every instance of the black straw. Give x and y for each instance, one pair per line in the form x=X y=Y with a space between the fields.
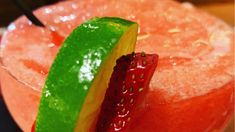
x=28 y=13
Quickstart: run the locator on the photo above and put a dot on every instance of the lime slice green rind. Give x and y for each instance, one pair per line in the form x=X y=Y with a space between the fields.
x=73 y=70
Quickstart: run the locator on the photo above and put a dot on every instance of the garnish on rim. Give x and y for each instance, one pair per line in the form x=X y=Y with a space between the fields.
x=78 y=78
x=127 y=87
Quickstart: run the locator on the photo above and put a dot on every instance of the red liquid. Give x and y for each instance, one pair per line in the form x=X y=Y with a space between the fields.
x=191 y=89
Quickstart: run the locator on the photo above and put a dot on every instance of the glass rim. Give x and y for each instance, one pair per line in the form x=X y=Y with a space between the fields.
x=3 y=67
x=3 y=32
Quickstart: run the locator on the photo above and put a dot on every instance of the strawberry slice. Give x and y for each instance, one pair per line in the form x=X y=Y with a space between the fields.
x=127 y=87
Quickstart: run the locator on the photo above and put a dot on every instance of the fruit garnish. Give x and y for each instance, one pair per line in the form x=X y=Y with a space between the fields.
x=128 y=84
x=79 y=76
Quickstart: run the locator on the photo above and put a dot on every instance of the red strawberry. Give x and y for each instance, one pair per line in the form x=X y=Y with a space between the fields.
x=128 y=85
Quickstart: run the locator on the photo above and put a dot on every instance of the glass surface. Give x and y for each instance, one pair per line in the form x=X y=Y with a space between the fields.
x=23 y=100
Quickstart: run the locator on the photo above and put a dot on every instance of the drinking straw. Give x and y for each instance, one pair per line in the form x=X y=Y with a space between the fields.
x=28 y=12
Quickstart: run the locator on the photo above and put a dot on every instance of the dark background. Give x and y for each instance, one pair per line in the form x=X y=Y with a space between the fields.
x=7 y=124
x=9 y=12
